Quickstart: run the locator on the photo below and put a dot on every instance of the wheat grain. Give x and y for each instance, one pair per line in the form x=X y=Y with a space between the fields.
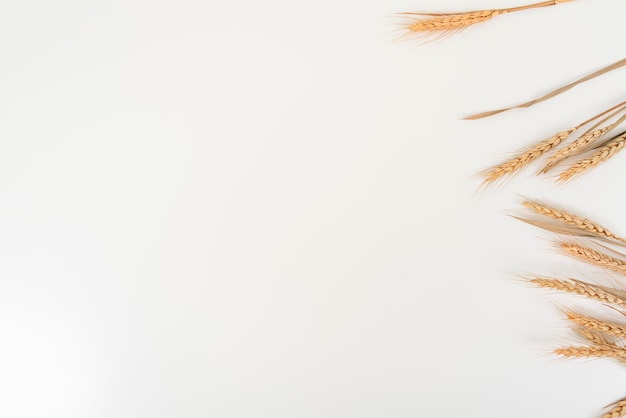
x=601 y=155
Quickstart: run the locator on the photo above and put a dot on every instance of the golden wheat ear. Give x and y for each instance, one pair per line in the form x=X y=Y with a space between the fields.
x=420 y=25
x=596 y=156
x=598 y=325
x=541 y=148
x=597 y=338
x=578 y=287
x=565 y=222
x=552 y=94
x=525 y=157
x=588 y=139
x=596 y=351
x=594 y=257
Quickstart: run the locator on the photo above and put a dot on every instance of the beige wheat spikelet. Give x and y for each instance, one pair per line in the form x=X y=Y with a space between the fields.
x=591 y=256
x=597 y=351
x=577 y=287
x=601 y=155
x=598 y=325
x=434 y=22
x=585 y=226
x=596 y=338
x=526 y=157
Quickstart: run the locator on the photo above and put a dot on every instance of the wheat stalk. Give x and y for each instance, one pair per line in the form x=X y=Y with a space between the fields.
x=618 y=410
x=581 y=224
x=599 y=156
x=526 y=157
x=591 y=256
x=598 y=325
x=442 y=24
x=554 y=93
x=577 y=287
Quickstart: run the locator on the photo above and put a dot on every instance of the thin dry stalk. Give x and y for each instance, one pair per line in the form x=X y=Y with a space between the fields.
x=597 y=325
x=577 y=287
x=596 y=258
x=554 y=93
x=618 y=410
x=563 y=216
x=597 y=351
x=526 y=157
x=443 y=24
x=599 y=156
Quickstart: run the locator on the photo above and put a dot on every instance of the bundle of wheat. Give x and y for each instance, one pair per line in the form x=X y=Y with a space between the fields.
x=603 y=338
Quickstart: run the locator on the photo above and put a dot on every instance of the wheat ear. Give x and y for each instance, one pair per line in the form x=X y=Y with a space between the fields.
x=591 y=256
x=433 y=24
x=618 y=410
x=554 y=93
x=526 y=157
x=599 y=156
x=573 y=148
x=441 y=23
x=577 y=287
x=597 y=339
x=563 y=216
x=598 y=351
x=598 y=325
x=583 y=142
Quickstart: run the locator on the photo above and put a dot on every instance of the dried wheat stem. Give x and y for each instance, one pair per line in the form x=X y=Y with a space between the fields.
x=581 y=288
x=554 y=93
x=526 y=157
x=591 y=256
x=598 y=325
x=565 y=217
x=598 y=351
x=601 y=155
x=618 y=410
x=616 y=110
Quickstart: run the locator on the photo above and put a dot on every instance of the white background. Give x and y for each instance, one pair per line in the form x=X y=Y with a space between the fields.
x=268 y=209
